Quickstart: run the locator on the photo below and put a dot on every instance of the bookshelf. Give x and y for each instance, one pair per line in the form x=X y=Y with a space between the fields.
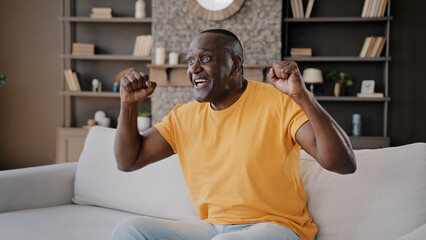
x=336 y=31
x=114 y=40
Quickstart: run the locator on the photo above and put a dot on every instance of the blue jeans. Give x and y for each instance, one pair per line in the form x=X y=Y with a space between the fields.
x=148 y=228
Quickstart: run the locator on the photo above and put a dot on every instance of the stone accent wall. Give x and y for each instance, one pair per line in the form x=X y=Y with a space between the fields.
x=257 y=25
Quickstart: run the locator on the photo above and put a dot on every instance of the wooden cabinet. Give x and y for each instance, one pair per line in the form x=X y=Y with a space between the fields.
x=336 y=32
x=70 y=143
x=114 y=40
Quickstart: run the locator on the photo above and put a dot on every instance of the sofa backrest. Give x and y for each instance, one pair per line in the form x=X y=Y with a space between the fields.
x=157 y=190
x=384 y=199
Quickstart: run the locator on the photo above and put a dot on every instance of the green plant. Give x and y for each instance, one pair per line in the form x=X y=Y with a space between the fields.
x=144 y=114
x=2 y=79
x=343 y=78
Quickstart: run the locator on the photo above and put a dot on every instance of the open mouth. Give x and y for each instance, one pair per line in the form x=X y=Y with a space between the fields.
x=201 y=83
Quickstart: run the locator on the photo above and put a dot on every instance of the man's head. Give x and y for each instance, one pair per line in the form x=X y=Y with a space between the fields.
x=215 y=60
x=235 y=48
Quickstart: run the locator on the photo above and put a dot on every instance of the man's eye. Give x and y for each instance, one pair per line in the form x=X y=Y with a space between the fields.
x=191 y=61
x=206 y=59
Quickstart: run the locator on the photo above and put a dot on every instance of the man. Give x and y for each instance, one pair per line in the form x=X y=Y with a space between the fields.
x=238 y=144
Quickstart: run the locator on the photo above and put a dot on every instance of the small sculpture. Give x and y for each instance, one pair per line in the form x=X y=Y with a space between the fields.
x=96 y=85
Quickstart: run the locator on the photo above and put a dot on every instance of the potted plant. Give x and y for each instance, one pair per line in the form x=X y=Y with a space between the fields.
x=144 y=121
x=340 y=80
x=2 y=79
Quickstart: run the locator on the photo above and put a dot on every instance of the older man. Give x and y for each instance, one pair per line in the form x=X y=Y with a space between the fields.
x=239 y=146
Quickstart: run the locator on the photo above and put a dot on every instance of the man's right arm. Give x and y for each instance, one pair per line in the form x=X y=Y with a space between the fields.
x=133 y=150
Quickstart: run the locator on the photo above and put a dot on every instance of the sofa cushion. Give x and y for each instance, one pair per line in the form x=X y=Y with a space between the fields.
x=417 y=234
x=156 y=190
x=68 y=222
x=384 y=199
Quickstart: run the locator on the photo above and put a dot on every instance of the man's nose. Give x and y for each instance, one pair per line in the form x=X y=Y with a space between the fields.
x=196 y=67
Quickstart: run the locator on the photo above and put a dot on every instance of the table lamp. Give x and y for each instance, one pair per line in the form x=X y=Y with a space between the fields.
x=312 y=75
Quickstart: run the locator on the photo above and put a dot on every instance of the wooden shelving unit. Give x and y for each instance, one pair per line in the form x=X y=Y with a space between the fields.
x=114 y=40
x=336 y=42
x=113 y=50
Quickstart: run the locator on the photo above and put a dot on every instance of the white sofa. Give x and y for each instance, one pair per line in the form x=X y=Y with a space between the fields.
x=384 y=199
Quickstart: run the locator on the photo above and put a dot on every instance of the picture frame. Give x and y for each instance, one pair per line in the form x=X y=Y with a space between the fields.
x=367 y=86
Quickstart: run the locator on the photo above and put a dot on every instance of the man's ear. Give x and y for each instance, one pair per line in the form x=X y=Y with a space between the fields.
x=237 y=65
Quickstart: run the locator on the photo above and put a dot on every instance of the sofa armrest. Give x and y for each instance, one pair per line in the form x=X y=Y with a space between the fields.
x=36 y=187
x=418 y=233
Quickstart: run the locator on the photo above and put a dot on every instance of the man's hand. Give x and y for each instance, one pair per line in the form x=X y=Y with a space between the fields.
x=132 y=149
x=136 y=87
x=286 y=77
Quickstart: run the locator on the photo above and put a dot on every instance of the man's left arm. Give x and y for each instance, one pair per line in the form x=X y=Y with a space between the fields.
x=321 y=136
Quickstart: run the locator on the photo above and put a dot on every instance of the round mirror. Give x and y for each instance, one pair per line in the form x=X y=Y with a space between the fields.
x=214 y=5
x=215 y=9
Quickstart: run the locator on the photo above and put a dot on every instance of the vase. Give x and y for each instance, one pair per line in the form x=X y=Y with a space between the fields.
x=144 y=123
x=338 y=89
x=140 y=9
x=356 y=124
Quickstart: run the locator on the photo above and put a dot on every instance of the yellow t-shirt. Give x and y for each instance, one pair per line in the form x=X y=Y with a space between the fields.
x=241 y=164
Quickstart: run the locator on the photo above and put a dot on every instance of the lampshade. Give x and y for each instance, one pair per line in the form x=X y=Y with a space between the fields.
x=312 y=75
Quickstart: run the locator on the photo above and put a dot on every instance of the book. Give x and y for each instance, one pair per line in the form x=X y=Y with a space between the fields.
x=143 y=45
x=382 y=9
x=371 y=46
x=148 y=50
x=101 y=13
x=83 y=45
x=136 y=46
x=309 y=8
x=101 y=10
x=100 y=16
x=380 y=49
x=293 y=8
x=300 y=52
x=369 y=8
x=375 y=47
x=83 y=48
x=370 y=95
x=68 y=80
x=365 y=8
x=365 y=47
x=375 y=8
x=76 y=83
x=300 y=8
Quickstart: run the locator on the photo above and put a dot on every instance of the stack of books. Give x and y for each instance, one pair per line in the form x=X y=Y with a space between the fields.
x=83 y=49
x=72 y=80
x=301 y=52
x=143 y=46
x=374 y=8
x=297 y=8
x=101 y=13
x=370 y=95
x=373 y=47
